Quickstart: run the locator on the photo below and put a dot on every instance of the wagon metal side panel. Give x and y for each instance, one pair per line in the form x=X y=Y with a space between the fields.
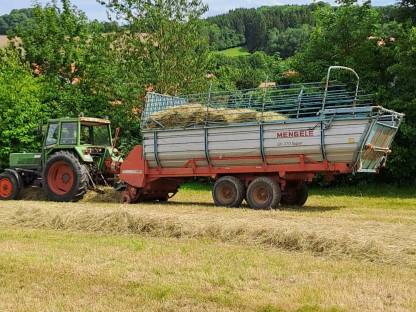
x=279 y=143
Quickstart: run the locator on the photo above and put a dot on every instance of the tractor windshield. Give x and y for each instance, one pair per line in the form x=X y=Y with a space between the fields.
x=98 y=135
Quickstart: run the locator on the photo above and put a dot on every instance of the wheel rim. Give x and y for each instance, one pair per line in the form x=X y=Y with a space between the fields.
x=60 y=178
x=6 y=188
x=226 y=193
x=261 y=195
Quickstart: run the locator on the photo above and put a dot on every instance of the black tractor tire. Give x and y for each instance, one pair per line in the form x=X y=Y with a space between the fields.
x=65 y=179
x=9 y=186
x=228 y=191
x=296 y=194
x=263 y=193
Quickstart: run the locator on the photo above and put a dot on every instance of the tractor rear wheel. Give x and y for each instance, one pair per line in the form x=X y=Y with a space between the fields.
x=296 y=194
x=9 y=186
x=263 y=193
x=228 y=191
x=65 y=179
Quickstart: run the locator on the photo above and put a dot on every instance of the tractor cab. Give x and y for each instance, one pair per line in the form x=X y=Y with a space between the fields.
x=89 y=137
x=78 y=131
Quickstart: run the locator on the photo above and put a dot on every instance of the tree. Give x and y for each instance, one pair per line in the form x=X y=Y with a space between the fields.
x=244 y=72
x=55 y=38
x=21 y=109
x=164 y=40
x=348 y=36
x=8 y=22
x=287 y=43
x=401 y=96
x=256 y=30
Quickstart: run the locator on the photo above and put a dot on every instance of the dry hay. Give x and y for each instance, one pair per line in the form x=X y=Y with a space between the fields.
x=238 y=115
x=184 y=116
x=106 y=195
x=125 y=220
x=195 y=114
x=270 y=116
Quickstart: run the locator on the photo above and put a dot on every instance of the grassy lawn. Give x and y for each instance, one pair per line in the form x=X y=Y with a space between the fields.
x=345 y=251
x=234 y=52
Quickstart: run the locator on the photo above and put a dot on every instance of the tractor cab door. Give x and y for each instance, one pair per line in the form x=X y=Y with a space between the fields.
x=51 y=137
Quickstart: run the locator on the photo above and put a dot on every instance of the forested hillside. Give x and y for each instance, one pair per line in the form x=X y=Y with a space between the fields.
x=264 y=28
x=277 y=29
x=67 y=65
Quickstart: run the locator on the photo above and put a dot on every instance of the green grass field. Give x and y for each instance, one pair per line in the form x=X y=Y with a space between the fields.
x=347 y=250
x=234 y=52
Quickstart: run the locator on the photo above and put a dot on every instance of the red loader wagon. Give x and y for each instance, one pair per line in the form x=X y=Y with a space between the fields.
x=258 y=145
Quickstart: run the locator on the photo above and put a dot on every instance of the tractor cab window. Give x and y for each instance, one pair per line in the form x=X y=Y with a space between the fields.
x=95 y=135
x=69 y=133
x=52 y=136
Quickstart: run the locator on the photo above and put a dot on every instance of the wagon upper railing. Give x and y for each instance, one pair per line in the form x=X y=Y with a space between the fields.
x=276 y=103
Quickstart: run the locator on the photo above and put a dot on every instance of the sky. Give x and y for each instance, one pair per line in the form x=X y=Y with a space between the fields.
x=96 y=11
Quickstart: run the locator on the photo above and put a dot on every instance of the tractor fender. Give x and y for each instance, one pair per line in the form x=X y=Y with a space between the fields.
x=17 y=176
x=82 y=156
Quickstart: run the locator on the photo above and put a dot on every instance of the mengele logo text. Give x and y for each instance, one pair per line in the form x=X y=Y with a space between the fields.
x=295 y=134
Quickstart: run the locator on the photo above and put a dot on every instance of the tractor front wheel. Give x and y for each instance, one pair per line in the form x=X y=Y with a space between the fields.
x=9 y=186
x=65 y=179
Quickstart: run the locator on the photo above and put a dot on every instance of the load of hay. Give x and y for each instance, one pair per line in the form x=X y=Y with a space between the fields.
x=194 y=115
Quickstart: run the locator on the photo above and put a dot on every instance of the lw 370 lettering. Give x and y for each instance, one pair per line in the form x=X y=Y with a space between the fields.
x=295 y=134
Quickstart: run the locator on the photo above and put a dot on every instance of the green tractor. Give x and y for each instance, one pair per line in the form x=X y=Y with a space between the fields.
x=77 y=154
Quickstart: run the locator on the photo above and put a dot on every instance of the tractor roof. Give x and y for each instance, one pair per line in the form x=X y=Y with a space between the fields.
x=84 y=120
x=89 y=120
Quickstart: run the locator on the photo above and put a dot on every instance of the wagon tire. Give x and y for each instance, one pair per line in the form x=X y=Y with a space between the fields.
x=228 y=191
x=9 y=187
x=296 y=195
x=65 y=179
x=263 y=193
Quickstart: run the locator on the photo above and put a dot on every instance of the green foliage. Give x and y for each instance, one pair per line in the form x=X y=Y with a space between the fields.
x=223 y=38
x=243 y=72
x=8 y=22
x=286 y=43
x=55 y=38
x=255 y=32
x=20 y=107
x=252 y=26
x=164 y=43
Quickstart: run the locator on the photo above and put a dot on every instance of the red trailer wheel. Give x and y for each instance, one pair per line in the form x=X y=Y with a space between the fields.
x=263 y=193
x=60 y=178
x=228 y=191
x=296 y=194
